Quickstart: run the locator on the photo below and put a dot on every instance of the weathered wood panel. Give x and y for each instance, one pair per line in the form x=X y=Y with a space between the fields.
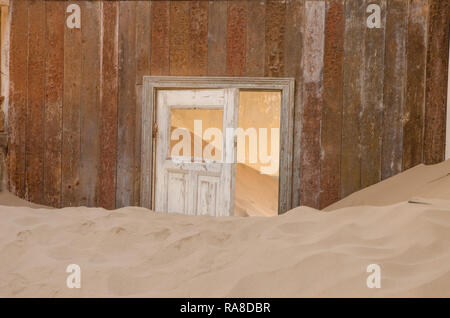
x=143 y=67
x=198 y=38
x=436 y=82
x=36 y=103
x=71 y=132
x=255 y=48
x=394 y=87
x=332 y=103
x=414 y=108
x=106 y=181
x=18 y=97
x=54 y=71
x=293 y=58
x=126 y=167
x=236 y=38
x=311 y=118
x=217 y=39
x=372 y=99
x=160 y=38
x=363 y=118
x=179 y=38
x=353 y=63
x=275 y=29
x=90 y=102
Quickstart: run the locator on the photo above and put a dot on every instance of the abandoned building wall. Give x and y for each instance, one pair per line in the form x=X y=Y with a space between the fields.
x=369 y=102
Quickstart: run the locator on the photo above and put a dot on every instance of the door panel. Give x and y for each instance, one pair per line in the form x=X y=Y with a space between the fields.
x=188 y=184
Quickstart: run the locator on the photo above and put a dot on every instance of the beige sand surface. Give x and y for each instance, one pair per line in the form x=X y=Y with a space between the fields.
x=305 y=252
x=420 y=181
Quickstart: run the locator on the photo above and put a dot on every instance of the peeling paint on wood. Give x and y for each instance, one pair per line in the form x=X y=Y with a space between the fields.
x=436 y=82
x=36 y=103
x=236 y=37
x=293 y=58
x=414 y=108
x=106 y=180
x=372 y=99
x=394 y=87
x=217 y=39
x=311 y=118
x=160 y=38
x=332 y=103
x=71 y=132
x=18 y=97
x=275 y=29
x=353 y=63
x=255 y=48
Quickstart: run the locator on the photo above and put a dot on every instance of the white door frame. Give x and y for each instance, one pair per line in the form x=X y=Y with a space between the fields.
x=153 y=83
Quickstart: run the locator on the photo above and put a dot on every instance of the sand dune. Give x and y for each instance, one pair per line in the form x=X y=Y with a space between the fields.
x=135 y=252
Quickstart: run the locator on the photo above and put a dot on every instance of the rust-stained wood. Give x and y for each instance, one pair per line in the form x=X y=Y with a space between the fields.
x=198 y=35
x=71 y=143
x=311 y=114
x=126 y=168
x=394 y=87
x=353 y=63
x=36 y=102
x=436 y=82
x=414 y=108
x=275 y=29
x=90 y=102
x=106 y=181
x=143 y=49
x=160 y=38
x=179 y=38
x=255 y=48
x=332 y=103
x=18 y=97
x=217 y=45
x=372 y=99
x=293 y=58
x=236 y=38
x=54 y=71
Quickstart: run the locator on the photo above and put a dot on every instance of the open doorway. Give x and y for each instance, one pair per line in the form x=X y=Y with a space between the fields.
x=257 y=170
x=217 y=146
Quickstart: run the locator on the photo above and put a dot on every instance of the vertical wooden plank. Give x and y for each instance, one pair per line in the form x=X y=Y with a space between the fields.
x=312 y=107
x=372 y=97
x=394 y=87
x=414 y=109
x=36 y=93
x=236 y=37
x=255 y=47
x=333 y=73
x=160 y=38
x=126 y=105
x=54 y=69
x=293 y=58
x=217 y=36
x=71 y=115
x=143 y=39
x=90 y=103
x=353 y=63
x=18 y=97
x=275 y=29
x=106 y=179
x=143 y=50
x=179 y=38
x=198 y=29
x=436 y=82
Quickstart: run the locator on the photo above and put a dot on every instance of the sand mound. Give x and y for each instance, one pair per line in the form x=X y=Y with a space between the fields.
x=135 y=252
x=420 y=181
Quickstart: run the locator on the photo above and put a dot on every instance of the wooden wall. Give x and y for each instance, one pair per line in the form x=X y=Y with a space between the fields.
x=369 y=103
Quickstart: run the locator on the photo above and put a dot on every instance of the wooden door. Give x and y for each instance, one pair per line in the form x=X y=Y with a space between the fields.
x=192 y=185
